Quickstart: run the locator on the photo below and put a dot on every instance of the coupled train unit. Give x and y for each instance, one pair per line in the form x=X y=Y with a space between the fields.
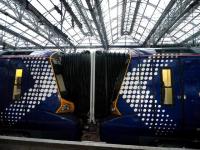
x=125 y=95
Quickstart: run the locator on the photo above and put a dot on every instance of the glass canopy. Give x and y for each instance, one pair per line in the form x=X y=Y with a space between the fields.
x=72 y=24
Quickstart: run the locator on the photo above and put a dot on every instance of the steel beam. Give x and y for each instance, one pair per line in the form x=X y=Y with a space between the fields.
x=134 y=16
x=29 y=7
x=6 y=45
x=197 y=34
x=101 y=21
x=188 y=9
x=23 y=17
x=70 y=11
x=171 y=17
x=19 y=36
x=29 y=27
x=100 y=26
x=165 y=12
x=123 y=15
x=172 y=46
x=128 y=32
x=82 y=14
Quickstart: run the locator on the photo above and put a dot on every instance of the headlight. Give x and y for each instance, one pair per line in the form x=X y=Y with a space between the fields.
x=65 y=106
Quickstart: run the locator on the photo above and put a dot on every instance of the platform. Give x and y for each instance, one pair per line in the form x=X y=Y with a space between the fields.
x=23 y=143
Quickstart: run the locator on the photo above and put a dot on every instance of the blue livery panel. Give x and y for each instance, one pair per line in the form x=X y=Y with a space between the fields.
x=191 y=88
x=39 y=99
x=147 y=95
x=143 y=112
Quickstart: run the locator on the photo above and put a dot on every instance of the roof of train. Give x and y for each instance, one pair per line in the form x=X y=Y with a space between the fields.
x=11 y=54
x=136 y=52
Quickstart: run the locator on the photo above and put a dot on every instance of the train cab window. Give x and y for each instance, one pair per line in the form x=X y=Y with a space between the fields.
x=60 y=81
x=59 y=77
x=17 y=84
x=167 y=92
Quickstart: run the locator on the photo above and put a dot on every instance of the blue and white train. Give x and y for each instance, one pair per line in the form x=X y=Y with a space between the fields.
x=137 y=95
x=31 y=102
x=159 y=97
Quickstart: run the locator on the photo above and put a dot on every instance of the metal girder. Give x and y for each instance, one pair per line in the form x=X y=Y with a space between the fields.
x=70 y=11
x=6 y=45
x=82 y=14
x=123 y=32
x=187 y=10
x=165 y=12
x=169 y=18
x=19 y=36
x=30 y=21
x=101 y=22
x=29 y=7
x=197 y=34
x=88 y=47
x=26 y=20
x=171 y=46
x=134 y=16
x=29 y=27
x=123 y=16
x=98 y=20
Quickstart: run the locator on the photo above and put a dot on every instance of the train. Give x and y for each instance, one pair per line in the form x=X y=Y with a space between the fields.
x=123 y=96
x=30 y=98
x=159 y=97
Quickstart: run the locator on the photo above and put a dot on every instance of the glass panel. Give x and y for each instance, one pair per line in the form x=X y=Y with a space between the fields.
x=167 y=93
x=17 y=84
x=166 y=75
x=168 y=96
x=61 y=84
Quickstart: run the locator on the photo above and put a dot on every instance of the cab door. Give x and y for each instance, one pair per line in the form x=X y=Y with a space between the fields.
x=7 y=75
x=4 y=87
x=4 y=84
x=191 y=92
x=170 y=96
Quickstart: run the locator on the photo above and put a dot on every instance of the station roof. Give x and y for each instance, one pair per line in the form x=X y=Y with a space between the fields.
x=72 y=24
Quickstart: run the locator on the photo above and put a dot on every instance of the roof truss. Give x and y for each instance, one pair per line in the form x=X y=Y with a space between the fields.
x=172 y=14
x=36 y=15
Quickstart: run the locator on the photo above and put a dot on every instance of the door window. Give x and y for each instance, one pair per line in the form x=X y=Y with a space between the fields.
x=167 y=91
x=17 y=84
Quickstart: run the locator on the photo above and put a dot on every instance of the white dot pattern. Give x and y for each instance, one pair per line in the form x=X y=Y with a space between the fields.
x=44 y=86
x=134 y=91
